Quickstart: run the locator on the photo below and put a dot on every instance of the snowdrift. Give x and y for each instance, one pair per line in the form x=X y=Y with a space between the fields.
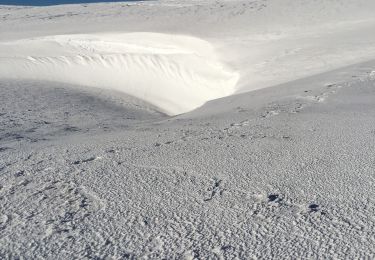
x=175 y=73
x=178 y=55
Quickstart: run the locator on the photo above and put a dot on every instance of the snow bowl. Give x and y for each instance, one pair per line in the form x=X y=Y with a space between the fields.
x=176 y=73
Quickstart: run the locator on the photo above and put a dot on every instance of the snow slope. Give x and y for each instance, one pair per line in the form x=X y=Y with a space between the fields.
x=205 y=49
x=174 y=73
x=280 y=167
x=278 y=173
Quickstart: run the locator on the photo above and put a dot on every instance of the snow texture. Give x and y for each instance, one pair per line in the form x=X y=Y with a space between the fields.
x=273 y=158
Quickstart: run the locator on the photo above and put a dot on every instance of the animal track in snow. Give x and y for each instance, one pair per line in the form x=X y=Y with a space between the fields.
x=20 y=173
x=51 y=207
x=332 y=89
x=270 y=113
x=314 y=207
x=294 y=107
x=275 y=198
x=275 y=109
x=216 y=189
x=276 y=204
x=90 y=159
x=238 y=125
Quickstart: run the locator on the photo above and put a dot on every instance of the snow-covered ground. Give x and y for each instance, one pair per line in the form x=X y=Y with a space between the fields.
x=177 y=55
x=271 y=158
x=175 y=73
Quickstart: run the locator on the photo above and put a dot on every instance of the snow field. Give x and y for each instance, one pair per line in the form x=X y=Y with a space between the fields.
x=173 y=72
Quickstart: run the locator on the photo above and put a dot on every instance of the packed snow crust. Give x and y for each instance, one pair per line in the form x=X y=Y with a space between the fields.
x=277 y=164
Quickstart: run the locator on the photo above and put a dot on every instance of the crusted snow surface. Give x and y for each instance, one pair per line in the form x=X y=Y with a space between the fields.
x=275 y=173
x=96 y=171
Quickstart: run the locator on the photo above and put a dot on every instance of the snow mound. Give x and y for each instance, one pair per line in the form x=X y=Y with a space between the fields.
x=173 y=72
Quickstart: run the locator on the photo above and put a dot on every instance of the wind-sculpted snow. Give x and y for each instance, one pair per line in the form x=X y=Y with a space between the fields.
x=174 y=73
x=278 y=173
x=233 y=46
x=283 y=171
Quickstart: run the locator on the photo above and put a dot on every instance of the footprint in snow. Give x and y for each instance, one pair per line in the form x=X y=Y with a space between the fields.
x=314 y=207
x=20 y=173
x=90 y=159
x=214 y=190
x=275 y=198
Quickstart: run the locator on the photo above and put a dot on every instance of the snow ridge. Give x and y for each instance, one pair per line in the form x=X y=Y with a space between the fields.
x=174 y=73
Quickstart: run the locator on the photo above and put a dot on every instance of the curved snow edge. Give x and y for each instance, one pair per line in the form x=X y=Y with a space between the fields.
x=173 y=72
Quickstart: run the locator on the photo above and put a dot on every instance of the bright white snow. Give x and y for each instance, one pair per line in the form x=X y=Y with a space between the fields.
x=175 y=73
x=274 y=160
x=181 y=54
